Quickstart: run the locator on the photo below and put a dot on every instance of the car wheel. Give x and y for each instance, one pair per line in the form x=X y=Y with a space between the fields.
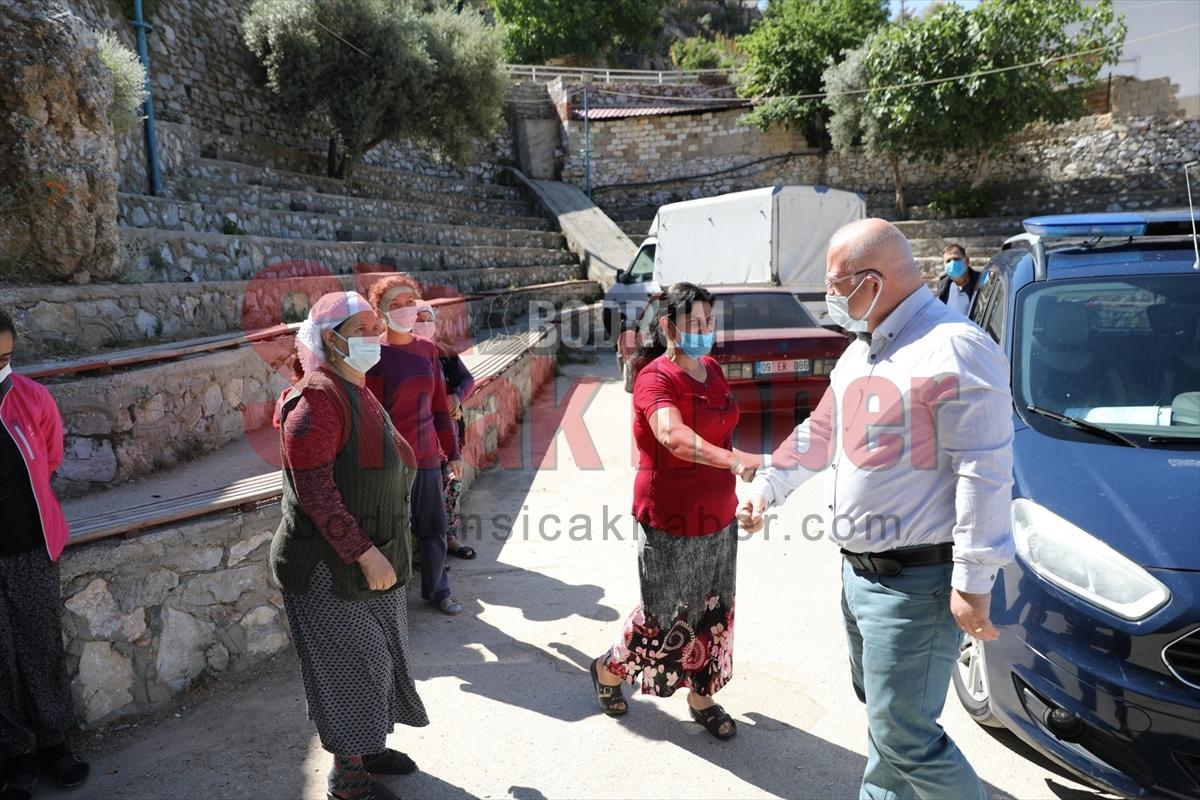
x=970 y=683
x=626 y=374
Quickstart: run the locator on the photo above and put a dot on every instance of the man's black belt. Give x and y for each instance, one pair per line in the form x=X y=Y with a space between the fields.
x=893 y=562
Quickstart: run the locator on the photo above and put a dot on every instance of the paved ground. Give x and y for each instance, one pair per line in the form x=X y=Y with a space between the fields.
x=507 y=686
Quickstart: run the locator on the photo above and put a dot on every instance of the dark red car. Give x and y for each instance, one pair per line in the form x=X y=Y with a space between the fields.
x=776 y=358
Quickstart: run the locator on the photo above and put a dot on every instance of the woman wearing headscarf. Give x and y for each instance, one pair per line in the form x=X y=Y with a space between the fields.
x=35 y=693
x=342 y=553
x=459 y=385
x=681 y=634
x=408 y=382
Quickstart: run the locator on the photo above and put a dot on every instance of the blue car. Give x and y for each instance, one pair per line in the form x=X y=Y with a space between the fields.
x=1098 y=661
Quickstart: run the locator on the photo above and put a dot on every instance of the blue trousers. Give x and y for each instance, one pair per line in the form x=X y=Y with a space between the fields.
x=903 y=646
x=428 y=507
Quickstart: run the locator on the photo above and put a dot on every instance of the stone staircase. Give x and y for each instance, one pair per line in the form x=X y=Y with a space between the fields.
x=241 y=242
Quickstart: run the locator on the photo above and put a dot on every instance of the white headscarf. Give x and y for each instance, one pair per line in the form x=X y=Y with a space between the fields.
x=326 y=314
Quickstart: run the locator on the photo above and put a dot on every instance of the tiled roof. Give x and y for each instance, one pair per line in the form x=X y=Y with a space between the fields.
x=626 y=112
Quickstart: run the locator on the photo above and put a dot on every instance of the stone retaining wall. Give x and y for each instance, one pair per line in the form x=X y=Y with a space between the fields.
x=129 y=424
x=1095 y=155
x=147 y=618
x=203 y=75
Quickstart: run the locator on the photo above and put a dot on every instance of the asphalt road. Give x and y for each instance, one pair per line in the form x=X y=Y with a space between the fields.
x=507 y=686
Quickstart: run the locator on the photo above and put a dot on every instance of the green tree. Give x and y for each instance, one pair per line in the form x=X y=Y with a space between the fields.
x=538 y=30
x=788 y=51
x=378 y=70
x=696 y=52
x=905 y=111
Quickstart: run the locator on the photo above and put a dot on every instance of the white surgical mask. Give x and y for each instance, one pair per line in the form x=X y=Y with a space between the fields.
x=364 y=352
x=839 y=310
x=5 y=371
x=402 y=320
x=425 y=328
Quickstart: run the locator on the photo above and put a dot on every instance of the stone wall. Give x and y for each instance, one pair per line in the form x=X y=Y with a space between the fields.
x=641 y=163
x=128 y=424
x=203 y=75
x=149 y=617
x=145 y=618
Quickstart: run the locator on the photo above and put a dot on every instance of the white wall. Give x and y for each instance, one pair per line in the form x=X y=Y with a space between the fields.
x=1175 y=56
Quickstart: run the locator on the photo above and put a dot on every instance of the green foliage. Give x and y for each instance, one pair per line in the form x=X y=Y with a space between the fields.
x=467 y=99
x=964 y=201
x=791 y=47
x=538 y=30
x=696 y=52
x=231 y=228
x=896 y=119
x=129 y=80
x=374 y=70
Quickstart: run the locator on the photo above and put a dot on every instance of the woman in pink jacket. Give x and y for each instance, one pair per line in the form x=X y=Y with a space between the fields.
x=35 y=694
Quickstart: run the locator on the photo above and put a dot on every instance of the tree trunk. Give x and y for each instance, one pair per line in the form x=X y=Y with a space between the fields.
x=901 y=206
x=981 y=168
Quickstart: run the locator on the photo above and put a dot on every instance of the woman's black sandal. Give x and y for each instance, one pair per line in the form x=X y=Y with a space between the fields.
x=389 y=762
x=712 y=718
x=462 y=551
x=608 y=696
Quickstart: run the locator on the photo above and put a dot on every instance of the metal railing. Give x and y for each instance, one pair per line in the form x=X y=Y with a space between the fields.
x=604 y=75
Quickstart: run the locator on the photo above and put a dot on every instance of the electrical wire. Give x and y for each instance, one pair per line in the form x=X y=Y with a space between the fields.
x=910 y=84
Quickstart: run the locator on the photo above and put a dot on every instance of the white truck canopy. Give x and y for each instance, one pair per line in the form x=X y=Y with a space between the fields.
x=777 y=235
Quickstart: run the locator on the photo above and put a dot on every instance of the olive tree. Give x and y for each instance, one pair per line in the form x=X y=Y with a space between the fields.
x=376 y=70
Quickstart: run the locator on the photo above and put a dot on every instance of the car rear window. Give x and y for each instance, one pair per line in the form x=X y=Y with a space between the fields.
x=750 y=310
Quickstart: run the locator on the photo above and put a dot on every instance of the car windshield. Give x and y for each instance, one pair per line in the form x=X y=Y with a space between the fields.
x=1122 y=353
x=751 y=310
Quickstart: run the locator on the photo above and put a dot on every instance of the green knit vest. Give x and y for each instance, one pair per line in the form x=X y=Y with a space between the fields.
x=376 y=494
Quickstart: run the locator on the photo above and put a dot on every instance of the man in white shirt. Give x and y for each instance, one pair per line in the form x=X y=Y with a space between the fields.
x=916 y=432
x=959 y=283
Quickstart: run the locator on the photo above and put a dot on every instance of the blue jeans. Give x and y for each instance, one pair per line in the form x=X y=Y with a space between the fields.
x=903 y=646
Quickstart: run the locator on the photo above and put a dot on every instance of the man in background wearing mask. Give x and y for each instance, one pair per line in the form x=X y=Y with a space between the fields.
x=958 y=284
x=916 y=431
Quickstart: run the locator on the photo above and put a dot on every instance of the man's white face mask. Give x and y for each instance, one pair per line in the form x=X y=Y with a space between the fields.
x=839 y=308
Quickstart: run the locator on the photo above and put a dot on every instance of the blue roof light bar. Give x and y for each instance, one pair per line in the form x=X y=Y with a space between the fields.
x=1119 y=225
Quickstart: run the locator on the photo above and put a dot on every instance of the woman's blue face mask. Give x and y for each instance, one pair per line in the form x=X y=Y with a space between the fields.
x=695 y=345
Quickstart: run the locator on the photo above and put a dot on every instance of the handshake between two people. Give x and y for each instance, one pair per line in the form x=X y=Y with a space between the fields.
x=972 y=612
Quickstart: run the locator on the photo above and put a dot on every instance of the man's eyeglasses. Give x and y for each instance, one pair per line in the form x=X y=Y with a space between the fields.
x=829 y=284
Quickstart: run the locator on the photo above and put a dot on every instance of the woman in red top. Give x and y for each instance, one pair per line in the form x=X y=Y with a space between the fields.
x=681 y=634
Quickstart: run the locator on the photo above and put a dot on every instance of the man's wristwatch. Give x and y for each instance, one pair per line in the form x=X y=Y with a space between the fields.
x=737 y=468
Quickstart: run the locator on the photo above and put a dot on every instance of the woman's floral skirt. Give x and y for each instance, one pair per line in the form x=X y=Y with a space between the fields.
x=681 y=634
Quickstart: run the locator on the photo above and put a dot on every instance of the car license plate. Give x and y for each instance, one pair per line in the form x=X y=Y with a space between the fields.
x=790 y=366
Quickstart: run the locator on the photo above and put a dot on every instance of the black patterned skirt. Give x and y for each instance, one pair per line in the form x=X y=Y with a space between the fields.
x=681 y=634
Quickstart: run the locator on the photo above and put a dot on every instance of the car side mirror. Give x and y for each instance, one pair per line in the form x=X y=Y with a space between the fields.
x=622 y=276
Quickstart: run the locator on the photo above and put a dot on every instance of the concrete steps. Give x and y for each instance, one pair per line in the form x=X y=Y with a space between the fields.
x=503 y=200
x=153 y=255
x=979 y=248
x=142 y=211
x=310 y=165
x=74 y=321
